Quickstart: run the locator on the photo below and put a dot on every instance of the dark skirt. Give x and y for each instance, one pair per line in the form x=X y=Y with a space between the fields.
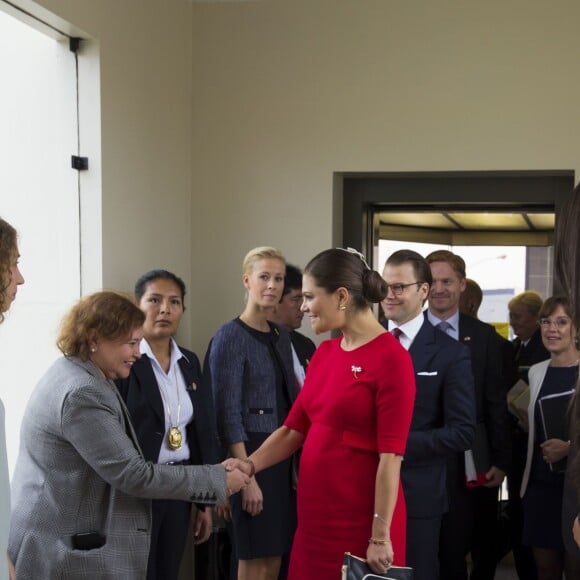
x=270 y=533
x=542 y=505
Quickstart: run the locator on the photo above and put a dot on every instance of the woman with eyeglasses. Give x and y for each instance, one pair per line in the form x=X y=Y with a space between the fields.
x=543 y=480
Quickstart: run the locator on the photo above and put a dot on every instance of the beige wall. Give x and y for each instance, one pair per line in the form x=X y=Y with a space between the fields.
x=284 y=94
x=141 y=50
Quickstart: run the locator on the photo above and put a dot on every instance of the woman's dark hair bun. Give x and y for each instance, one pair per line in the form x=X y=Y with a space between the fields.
x=373 y=286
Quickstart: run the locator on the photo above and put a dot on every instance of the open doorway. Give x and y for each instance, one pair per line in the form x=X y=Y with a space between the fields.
x=500 y=271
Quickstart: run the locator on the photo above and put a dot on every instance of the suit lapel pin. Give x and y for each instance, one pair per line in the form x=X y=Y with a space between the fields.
x=193 y=387
x=355 y=370
x=466 y=338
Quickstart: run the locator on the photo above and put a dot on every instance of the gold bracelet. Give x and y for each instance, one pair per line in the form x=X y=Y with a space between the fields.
x=376 y=542
x=252 y=466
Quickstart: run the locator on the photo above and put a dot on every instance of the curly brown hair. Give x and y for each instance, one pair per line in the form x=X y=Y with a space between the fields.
x=8 y=247
x=108 y=315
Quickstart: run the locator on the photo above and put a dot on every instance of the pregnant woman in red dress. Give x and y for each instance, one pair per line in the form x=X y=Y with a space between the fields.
x=353 y=417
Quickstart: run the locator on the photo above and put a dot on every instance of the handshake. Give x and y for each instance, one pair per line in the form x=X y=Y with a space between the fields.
x=239 y=472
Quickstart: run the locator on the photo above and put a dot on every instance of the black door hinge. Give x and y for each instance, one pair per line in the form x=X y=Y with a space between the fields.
x=79 y=163
x=74 y=44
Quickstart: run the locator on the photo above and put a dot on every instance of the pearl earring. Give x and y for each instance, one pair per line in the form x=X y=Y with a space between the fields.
x=93 y=349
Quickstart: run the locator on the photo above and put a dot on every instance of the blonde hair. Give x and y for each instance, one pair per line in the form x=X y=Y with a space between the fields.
x=260 y=253
x=530 y=299
x=107 y=315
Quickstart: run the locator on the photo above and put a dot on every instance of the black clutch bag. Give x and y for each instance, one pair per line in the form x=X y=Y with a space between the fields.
x=354 y=568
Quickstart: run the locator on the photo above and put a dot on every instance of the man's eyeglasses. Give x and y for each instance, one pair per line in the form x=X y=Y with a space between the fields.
x=397 y=289
x=558 y=322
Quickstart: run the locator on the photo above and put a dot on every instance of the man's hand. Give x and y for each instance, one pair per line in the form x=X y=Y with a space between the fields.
x=494 y=476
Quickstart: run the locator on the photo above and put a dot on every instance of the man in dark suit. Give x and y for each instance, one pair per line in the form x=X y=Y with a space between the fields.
x=524 y=310
x=443 y=421
x=288 y=314
x=470 y=524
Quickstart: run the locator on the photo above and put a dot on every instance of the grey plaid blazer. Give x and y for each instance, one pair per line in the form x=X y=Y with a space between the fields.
x=80 y=470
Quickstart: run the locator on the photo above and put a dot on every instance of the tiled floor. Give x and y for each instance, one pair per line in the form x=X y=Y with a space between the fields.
x=506 y=570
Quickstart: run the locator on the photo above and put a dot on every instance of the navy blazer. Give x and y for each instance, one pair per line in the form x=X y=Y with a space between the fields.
x=443 y=420
x=303 y=346
x=140 y=392
x=490 y=396
x=531 y=354
x=242 y=373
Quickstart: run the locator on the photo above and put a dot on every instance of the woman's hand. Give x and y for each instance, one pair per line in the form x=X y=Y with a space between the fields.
x=11 y=570
x=223 y=511
x=243 y=465
x=252 y=499
x=235 y=480
x=576 y=531
x=554 y=449
x=380 y=557
x=203 y=524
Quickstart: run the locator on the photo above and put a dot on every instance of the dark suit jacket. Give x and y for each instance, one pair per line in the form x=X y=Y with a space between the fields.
x=303 y=346
x=141 y=395
x=490 y=397
x=526 y=356
x=443 y=419
x=509 y=368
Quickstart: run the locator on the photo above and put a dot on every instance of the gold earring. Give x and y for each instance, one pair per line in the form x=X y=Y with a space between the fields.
x=342 y=307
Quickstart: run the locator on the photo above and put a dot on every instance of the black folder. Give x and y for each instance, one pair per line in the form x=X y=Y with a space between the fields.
x=554 y=416
x=480 y=453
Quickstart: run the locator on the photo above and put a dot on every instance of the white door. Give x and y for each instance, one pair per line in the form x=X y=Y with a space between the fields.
x=39 y=196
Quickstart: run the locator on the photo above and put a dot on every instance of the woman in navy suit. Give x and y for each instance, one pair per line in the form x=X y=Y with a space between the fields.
x=250 y=365
x=172 y=415
x=543 y=483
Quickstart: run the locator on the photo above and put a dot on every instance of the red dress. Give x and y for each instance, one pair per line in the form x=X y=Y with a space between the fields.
x=354 y=405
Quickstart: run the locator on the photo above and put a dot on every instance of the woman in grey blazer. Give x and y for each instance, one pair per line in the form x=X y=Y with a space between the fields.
x=81 y=485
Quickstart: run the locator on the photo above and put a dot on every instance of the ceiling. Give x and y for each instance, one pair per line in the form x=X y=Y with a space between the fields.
x=489 y=221
x=465 y=227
